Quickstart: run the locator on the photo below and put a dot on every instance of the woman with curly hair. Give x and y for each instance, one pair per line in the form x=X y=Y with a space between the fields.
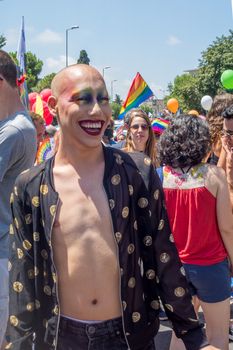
x=140 y=136
x=215 y=121
x=198 y=205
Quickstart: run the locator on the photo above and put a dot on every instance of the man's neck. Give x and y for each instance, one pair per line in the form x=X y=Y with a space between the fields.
x=10 y=105
x=83 y=157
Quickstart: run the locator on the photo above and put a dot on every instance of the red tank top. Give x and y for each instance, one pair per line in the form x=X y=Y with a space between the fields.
x=192 y=214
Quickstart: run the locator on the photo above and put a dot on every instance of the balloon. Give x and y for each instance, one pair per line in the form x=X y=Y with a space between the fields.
x=173 y=105
x=193 y=112
x=32 y=99
x=206 y=102
x=45 y=94
x=227 y=79
x=46 y=113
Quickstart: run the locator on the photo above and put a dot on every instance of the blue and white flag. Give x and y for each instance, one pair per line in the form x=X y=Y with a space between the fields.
x=21 y=82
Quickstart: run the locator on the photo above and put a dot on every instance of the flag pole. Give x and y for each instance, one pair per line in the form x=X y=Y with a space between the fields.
x=21 y=52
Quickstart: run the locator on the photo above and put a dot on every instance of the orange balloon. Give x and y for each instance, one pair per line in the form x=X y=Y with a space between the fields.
x=172 y=105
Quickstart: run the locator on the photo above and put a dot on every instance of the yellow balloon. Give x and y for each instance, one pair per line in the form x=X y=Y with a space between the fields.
x=193 y=112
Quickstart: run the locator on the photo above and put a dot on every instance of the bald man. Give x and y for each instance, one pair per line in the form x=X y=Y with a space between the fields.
x=91 y=245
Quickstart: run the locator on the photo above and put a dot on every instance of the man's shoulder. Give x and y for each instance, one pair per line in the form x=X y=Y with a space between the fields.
x=16 y=123
x=30 y=175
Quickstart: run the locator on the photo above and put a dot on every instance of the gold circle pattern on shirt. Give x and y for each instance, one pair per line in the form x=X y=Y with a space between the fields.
x=131 y=248
x=131 y=282
x=116 y=179
x=28 y=219
x=36 y=201
x=18 y=286
x=44 y=189
x=111 y=204
x=156 y=195
x=179 y=292
x=136 y=316
x=147 y=240
x=125 y=212
x=14 y=321
x=143 y=202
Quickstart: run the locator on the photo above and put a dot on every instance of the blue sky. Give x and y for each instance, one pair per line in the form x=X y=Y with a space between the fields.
x=158 y=38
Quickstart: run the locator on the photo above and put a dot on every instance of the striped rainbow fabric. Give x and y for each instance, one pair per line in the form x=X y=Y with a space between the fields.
x=139 y=92
x=159 y=125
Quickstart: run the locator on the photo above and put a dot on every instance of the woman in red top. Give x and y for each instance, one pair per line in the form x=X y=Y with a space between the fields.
x=199 y=210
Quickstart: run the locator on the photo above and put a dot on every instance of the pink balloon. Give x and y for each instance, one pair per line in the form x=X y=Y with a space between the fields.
x=45 y=94
x=48 y=117
x=32 y=99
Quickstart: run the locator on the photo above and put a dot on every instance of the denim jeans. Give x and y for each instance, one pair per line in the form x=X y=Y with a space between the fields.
x=106 y=335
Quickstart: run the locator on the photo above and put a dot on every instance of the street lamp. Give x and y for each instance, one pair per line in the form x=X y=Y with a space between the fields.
x=112 y=82
x=107 y=67
x=71 y=28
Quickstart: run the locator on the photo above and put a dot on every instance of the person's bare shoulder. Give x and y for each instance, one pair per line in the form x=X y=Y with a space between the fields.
x=215 y=176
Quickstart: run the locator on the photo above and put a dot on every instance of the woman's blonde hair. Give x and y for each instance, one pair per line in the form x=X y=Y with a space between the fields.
x=150 y=150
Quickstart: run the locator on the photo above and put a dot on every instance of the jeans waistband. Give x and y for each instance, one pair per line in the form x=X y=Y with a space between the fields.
x=109 y=327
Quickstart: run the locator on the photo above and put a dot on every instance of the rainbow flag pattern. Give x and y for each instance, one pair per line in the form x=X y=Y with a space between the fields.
x=45 y=151
x=139 y=92
x=159 y=125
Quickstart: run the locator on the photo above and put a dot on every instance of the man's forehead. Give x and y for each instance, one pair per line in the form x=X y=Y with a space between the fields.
x=79 y=78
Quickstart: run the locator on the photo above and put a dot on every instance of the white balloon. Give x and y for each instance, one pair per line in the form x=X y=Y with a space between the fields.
x=206 y=102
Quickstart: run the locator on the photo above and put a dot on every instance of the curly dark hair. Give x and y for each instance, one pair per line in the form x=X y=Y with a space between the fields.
x=228 y=113
x=185 y=142
x=214 y=116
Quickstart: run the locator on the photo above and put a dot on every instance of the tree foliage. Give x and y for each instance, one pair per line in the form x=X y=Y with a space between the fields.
x=44 y=82
x=116 y=107
x=83 y=57
x=118 y=99
x=185 y=90
x=2 y=41
x=214 y=61
x=189 y=88
x=147 y=109
x=33 y=68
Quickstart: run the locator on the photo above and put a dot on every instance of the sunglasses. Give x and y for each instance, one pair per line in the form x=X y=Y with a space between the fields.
x=142 y=126
x=228 y=133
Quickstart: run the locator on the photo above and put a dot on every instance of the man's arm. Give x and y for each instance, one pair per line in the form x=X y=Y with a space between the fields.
x=172 y=284
x=22 y=269
x=11 y=148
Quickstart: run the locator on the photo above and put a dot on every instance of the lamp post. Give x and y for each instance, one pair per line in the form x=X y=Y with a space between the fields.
x=67 y=30
x=112 y=82
x=107 y=67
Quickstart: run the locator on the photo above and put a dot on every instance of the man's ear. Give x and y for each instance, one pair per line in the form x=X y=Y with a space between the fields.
x=52 y=103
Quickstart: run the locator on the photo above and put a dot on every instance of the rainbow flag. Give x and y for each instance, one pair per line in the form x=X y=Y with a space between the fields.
x=159 y=125
x=139 y=92
x=21 y=81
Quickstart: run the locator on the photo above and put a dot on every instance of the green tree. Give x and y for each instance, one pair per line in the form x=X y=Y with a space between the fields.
x=2 y=41
x=118 y=99
x=116 y=107
x=33 y=68
x=185 y=90
x=44 y=83
x=83 y=57
x=214 y=61
x=146 y=108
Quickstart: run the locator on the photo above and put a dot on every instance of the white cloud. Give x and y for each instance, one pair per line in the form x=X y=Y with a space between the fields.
x=48 y=36
x=53 y=65
x=12 y=36
x=173 y=40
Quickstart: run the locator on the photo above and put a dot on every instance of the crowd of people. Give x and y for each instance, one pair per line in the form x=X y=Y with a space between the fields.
x=98 y=237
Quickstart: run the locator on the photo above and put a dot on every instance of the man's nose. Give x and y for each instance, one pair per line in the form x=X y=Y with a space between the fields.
x=96 y=108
